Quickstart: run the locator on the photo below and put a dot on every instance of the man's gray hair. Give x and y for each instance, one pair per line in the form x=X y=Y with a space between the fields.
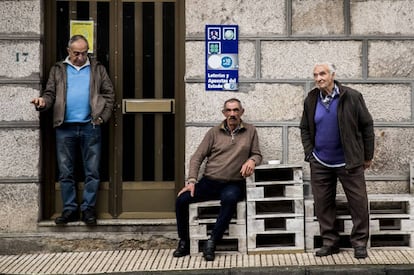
x=77 y=37
x=331 y=66
x=232 y=100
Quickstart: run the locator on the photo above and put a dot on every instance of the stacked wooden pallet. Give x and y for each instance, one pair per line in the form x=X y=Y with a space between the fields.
x=275 y=211
x=391 y=221
x=202 y=217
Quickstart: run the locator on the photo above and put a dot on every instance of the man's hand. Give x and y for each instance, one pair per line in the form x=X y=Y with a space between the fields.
x=189 y=186
x=248 y=168
x=38 y=102
x=367 y=164
x=98 y=121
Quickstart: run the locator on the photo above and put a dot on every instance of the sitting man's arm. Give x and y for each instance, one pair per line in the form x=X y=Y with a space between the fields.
x=255 y=158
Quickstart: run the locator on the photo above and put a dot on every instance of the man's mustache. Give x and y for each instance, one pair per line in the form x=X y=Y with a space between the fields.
x=232 y=117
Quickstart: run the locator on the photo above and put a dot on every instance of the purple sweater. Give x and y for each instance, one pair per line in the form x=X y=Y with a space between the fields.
x=328 y=146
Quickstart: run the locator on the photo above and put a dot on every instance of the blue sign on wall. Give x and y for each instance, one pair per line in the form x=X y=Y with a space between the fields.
x=222 y=57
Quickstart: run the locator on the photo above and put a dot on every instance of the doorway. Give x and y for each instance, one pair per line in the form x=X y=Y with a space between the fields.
x=141 y=44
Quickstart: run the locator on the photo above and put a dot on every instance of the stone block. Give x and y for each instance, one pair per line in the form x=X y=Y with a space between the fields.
x=193 y=137
x=318 y=17
x=393 y=151
x=18 y=105
x=265 y=17
x=195 y=61
x=296 y=59
x=19 y=156
x=20 y=59
x=377 y=98
x=391 y=59
x=372 y=17
x=247 y=59
x=19 y=207
x=270 y=142
x=295 y=150
x=20 y=17
x=263 y=102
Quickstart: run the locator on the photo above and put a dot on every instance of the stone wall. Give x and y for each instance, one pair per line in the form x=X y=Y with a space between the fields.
x=371 y=43
x=21 y=60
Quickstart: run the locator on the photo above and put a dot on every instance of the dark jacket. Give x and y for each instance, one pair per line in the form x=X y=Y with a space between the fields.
x=355 y=126
x=102 y=95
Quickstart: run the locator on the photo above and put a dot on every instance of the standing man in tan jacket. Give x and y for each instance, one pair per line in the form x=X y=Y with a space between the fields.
x=82 y=97
x=232 y=152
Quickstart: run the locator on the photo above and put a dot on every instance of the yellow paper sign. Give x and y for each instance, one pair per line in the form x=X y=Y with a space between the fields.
x=85 y=28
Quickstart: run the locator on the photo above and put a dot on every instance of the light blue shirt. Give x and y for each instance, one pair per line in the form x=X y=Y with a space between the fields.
x=78 y=107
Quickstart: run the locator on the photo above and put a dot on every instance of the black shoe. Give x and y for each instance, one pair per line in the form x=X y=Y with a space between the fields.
x=327 y=250
x=89 y=217
x=67 y=216
x=183 y=249
x=209 y=249
x=360 y=252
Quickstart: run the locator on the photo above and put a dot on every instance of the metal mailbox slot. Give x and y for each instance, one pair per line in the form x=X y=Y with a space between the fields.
x=148 y=106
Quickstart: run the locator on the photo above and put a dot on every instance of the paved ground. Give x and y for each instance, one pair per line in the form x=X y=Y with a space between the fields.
x=161 y=261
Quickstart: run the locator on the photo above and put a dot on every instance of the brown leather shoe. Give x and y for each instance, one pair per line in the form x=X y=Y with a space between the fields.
x=327 y=250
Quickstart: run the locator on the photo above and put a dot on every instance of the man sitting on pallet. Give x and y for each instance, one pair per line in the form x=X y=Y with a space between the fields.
x=232 y=152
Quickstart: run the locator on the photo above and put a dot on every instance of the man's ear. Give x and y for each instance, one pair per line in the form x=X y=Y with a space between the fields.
x=241 y=112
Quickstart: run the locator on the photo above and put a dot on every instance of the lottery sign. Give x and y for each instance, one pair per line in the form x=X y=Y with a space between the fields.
x=222 y=57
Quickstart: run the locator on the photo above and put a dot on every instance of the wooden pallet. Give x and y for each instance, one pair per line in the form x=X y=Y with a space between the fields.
x=202 y=218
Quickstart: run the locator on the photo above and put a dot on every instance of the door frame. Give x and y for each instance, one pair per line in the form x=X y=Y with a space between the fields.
x=48 y=163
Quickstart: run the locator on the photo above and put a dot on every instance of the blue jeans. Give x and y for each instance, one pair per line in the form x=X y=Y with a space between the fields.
x=68 y=137
x=229 y=193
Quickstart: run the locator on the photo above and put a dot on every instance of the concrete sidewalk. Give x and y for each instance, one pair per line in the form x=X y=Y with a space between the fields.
x=160 y=261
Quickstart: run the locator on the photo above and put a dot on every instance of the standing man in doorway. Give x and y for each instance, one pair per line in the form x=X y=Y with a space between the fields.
x=82 y=97
x=232 y=152
x=338 y=139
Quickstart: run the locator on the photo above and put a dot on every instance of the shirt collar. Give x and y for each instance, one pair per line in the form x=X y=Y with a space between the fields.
x=67 y=61
x=224 y=127
x=335 y=92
